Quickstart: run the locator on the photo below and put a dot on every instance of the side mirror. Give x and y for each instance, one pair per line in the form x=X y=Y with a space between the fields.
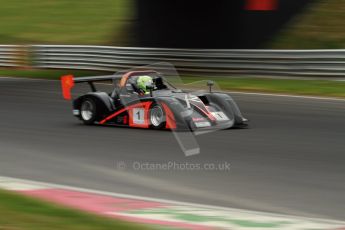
x=210 y=84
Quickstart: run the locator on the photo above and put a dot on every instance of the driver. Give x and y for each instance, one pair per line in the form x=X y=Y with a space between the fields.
x=143 y=82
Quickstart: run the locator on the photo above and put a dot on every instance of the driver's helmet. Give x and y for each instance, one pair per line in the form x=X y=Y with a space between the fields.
x=143 y=82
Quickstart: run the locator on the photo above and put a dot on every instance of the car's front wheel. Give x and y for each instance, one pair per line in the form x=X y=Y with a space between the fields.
x=157 y=117
x=88 y=111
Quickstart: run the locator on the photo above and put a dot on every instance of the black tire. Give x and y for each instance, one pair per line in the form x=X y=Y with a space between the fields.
x=88 y=111
x=157 y=117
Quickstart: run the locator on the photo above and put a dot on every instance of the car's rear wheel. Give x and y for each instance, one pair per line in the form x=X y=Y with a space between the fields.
x=88 y=111
x=157 y=117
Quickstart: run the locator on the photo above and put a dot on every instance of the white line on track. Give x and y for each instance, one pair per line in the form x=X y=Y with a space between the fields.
x=23 y=79
x=230 y=92
x=287 y=95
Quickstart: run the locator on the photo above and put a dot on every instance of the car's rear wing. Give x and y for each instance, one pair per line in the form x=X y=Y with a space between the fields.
x=68 y=81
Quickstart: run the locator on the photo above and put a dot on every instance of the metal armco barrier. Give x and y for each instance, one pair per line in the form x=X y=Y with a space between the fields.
x=313 y=63
x=12 y=56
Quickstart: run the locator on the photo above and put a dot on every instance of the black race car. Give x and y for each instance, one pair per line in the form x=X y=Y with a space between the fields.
x=164 y=107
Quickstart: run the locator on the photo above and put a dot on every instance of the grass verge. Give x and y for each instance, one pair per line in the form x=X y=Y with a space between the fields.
x=64 y=21
x=326 y=88
x=320 y=26
x=23 y=213
x=48 y=74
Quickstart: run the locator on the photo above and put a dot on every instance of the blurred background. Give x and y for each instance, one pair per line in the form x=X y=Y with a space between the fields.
x=283 y=24
x=290 y=160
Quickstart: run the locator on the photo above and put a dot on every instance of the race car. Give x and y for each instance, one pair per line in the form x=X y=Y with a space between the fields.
x=159 y=106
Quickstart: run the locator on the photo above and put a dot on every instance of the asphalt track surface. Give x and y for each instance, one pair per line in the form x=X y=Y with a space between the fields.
x=291 y=160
